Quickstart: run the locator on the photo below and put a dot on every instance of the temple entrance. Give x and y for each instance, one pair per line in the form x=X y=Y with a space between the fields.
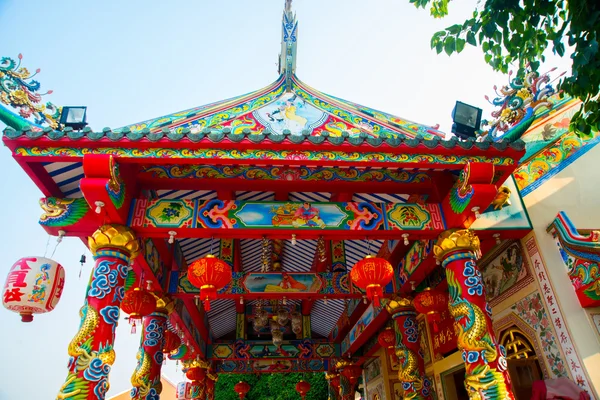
x=453 y=384
x=523 y=364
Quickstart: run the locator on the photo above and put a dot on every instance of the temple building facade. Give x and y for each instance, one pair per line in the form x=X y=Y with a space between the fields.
x=288 y=230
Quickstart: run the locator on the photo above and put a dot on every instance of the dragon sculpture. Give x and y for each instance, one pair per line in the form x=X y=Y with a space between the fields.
x=20 y=91
x=139 y=379
x=409 y=368
x=518 y=101
x=473 y=336
x=482 y=382
x=82 y=356
x=62 y=212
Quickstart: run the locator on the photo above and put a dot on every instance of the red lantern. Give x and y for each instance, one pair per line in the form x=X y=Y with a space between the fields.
x=372 y=274
x=241 y=388
x=302 y=388
x=195 y=374
x=172 y=342
x=431 y=303
x=352 y=372
x=138 y=303
x=387 y=339
x=210 y=274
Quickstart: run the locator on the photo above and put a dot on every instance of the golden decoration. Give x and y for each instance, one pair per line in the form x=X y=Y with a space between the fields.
x=330 y=375
x=398 y=303
x=343 y=363
x=502 y=198
x=164 y=303
x=196 y=363
x=456 y=239
x=113 y=236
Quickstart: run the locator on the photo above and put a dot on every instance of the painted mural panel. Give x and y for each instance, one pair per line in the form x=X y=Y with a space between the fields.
x=531 y=310
x=550 y=147
x=373 y=370
x=505 y=272
x=507 y=211
x=292 y=113
x=376 y=390
x=283 y=282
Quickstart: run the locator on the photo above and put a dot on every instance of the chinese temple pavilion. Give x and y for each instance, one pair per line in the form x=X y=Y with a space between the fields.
x=287 y=230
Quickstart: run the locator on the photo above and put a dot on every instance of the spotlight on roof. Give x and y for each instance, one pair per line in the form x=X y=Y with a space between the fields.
x=467 y=120
x=73 y=117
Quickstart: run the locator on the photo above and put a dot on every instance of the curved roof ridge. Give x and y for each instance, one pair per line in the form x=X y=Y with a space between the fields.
x=184 y=117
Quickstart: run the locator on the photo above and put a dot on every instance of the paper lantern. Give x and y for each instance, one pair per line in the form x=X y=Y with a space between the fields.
x=172 y=342
x=241 y=388
x=138 y=303
x=210 y=275
x=302 y=388
x=352 y=372
x=372 y=274
x=387 y=339
x=33 y=286
x=431 y=303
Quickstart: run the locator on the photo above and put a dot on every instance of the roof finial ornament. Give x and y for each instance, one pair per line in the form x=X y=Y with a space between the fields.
x=287 y=57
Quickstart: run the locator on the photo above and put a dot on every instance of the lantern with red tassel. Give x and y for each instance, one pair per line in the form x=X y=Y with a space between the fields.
x=241 y=388
x=431 y=303
x=172 y=342
x=302 y=388
x=138 y=303
x=387 y=339
x=210 y=275
x=372 y=274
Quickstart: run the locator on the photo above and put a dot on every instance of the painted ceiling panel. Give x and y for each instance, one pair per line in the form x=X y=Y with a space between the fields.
x=221 y=317
x=325 y=316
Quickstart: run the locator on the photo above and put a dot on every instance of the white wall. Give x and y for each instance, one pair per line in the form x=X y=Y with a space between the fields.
x=576 y=191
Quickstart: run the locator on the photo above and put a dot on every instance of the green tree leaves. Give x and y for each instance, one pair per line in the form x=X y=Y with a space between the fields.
x=518 y=32
x=271 y=386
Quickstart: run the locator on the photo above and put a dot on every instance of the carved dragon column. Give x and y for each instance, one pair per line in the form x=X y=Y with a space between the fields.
x=211 y=380
x=91 y=350
x=146 y=377
x=412 y=367
x=485 y=363
x=334 y=386
x=349 y=374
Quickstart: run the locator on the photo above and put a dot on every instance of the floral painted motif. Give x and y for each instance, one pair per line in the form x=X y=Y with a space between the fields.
x=531 y=310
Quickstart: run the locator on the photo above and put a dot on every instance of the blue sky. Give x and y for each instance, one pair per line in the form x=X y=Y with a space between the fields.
x=129 y=61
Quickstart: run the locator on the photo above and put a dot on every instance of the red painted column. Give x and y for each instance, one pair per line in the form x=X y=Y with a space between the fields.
x=349 y=374
x=91 y=350
x=211 y=380
x=485 y=363
x=334 y=386
x=146 y=377
x=412 y=367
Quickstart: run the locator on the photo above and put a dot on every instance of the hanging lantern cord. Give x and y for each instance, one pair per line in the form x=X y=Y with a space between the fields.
x=368 y=246
x=212 y=240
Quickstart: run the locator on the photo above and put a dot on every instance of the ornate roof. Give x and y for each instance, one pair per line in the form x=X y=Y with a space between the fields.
x=287 y=107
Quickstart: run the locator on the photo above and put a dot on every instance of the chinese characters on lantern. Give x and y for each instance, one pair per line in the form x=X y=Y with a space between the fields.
x=33 y=286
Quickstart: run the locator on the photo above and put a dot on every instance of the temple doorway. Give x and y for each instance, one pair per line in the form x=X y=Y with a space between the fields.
x=523 y=363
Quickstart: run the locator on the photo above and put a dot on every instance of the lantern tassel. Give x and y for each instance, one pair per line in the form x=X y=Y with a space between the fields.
x=133 y=330
x=207 y=305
